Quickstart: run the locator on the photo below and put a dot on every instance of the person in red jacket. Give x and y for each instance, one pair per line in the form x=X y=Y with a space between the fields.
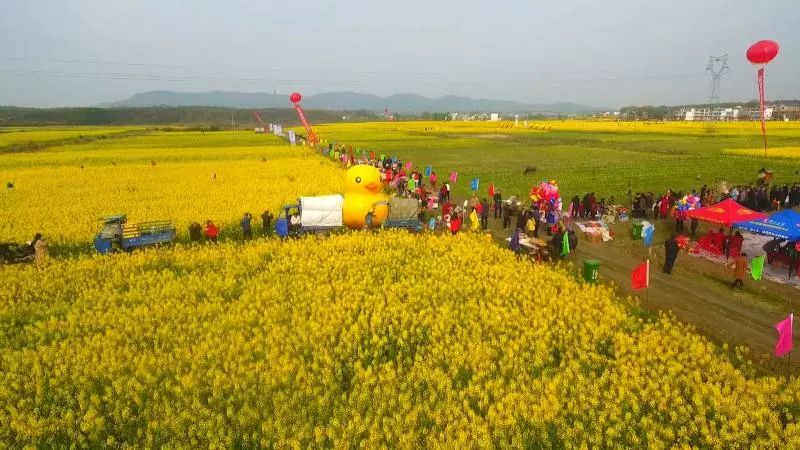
x=455 y=224
x=211 y=232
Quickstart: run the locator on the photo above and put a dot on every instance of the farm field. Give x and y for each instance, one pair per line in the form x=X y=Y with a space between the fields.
x=584 y=156
x=64 y=190
x=10 y=137
x=361 y=339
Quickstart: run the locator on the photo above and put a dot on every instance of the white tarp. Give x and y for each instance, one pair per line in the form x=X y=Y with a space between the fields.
x=322 y=211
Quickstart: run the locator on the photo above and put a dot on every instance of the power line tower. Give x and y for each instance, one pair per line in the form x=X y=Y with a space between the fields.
x=717 y=66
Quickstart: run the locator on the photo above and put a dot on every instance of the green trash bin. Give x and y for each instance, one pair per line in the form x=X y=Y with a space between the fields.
x=637 y=230
x=591 y=270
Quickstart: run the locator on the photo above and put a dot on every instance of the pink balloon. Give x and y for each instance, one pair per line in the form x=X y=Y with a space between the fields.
x=295 y=97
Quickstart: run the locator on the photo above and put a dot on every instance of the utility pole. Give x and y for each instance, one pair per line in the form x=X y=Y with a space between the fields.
x=717 y=66
x=233 y=127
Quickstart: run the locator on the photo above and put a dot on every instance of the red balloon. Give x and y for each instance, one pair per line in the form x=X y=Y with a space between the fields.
x=295 y=97
x=762 y=52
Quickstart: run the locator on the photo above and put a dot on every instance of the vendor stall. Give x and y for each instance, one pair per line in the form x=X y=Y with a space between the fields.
x=725 y=213
x=595 y=231
x=785 y=227
x=534 y=247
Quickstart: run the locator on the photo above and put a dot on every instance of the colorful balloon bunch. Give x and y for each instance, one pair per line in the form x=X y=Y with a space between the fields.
x=545 y=192
x=686 y=204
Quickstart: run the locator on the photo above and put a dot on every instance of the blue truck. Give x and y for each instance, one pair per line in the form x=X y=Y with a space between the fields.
x=117 y=235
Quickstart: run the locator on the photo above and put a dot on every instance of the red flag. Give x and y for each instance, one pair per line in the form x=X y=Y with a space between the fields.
x=784 y=344
x=640 y=277
x=762 y=104
x=491 y=190
x=310 y=133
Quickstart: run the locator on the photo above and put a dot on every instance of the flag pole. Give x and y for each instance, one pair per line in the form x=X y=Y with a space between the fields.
x=788 y=364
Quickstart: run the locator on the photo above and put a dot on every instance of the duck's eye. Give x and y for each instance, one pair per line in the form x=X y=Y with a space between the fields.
x=358 y=179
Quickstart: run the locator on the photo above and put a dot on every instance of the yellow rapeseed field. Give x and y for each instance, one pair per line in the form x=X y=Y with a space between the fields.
x=21 y=136
x=62 y=192
x=777 y=152
x=360 y=340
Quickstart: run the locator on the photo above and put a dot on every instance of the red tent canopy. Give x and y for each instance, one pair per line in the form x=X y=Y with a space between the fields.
x=726 y=212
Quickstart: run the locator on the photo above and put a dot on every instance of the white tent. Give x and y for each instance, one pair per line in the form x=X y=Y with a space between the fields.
x=322 y=211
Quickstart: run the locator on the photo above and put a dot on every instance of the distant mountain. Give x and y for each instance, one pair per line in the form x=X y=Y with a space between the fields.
x=340 y=101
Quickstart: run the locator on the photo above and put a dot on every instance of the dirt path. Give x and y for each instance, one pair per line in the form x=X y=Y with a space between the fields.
x=698 y=293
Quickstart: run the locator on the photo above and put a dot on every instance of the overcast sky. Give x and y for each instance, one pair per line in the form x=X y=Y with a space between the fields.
x=598 y=52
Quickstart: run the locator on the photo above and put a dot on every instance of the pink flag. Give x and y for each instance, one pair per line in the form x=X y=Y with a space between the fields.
x=784 y=328
x=453 y=177
x=408 y=165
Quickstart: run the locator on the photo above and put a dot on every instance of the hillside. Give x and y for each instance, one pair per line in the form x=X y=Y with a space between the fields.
x=187 y=115
x=339 y=101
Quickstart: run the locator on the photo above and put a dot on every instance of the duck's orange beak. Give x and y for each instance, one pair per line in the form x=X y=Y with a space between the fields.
x=373 y=186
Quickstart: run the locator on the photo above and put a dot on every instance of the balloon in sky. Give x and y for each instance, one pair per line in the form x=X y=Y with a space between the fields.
x=762 y=53
x=295 y=97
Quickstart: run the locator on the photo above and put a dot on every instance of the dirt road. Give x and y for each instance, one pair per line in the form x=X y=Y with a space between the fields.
x=698 y=292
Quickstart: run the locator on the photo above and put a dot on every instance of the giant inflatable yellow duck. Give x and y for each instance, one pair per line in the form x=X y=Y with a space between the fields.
x=363 y=192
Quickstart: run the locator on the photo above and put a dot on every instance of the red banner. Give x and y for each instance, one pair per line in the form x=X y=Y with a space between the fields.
x=761 y=101
x=312 y=138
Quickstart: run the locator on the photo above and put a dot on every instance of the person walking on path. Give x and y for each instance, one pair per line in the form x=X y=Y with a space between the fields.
x=247 y=229
x=739 y=267
x=266 y=219
x=670 y=253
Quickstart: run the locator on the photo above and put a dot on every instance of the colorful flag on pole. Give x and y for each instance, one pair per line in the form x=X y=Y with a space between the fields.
x=428 y=171
x=564 y=244
x=640 y=277
x=491 y=189
x=453 y=177
x=647 y=237
x=475 y=183
x=408 y=165
x=757 y=267
x=784 y=344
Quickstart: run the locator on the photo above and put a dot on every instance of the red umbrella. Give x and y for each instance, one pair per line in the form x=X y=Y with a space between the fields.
x=726 y=213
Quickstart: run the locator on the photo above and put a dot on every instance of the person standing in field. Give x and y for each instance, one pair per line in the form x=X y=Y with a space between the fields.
x=195 y=232
x=432 y=179
x=247 y=230
x=484 y=214
x=739 y=267
x=39 y=250
x=506 y=216
x=498 y=203
x=266 y=219
x=455 y=224
x=670 y=253
x=211 y=232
